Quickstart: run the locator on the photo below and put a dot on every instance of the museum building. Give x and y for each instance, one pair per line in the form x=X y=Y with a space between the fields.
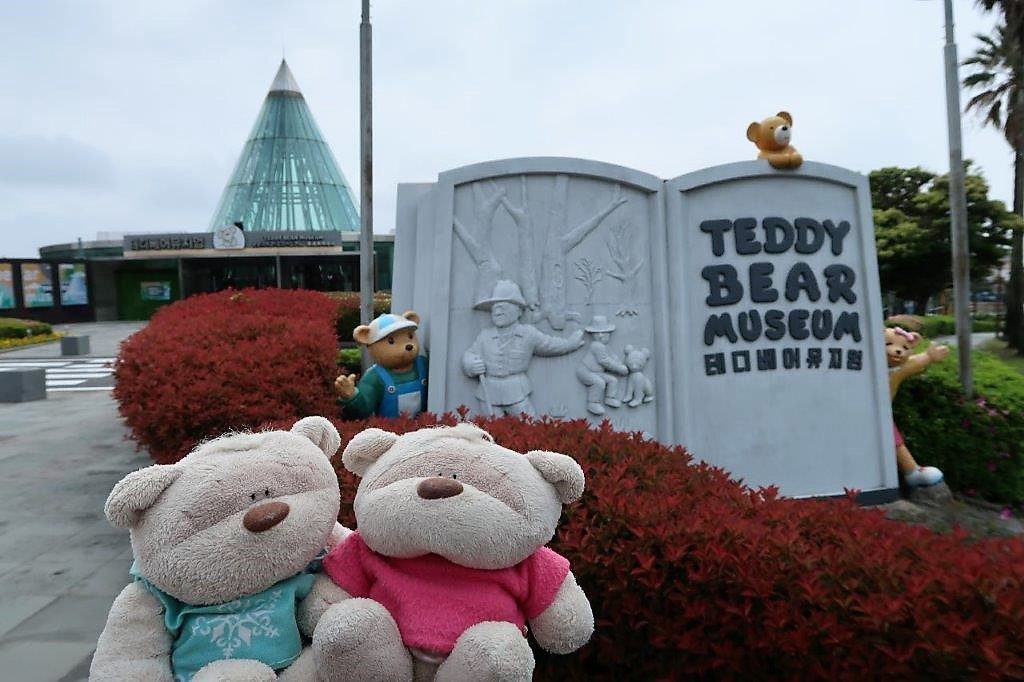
x=287 y=218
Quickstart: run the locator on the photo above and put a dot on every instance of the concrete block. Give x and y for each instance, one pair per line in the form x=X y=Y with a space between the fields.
x=22 y=385
x=74 y=345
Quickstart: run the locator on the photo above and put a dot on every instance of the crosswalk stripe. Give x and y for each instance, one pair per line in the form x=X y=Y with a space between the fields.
x=13 y=365
x=64 y=382
x=90 y=370
x=79 y=388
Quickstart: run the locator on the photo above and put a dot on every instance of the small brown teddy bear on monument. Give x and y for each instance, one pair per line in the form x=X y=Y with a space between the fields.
x=772 y=137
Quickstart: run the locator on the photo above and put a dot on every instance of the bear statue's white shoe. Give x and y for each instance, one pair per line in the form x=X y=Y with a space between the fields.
x=922 y=477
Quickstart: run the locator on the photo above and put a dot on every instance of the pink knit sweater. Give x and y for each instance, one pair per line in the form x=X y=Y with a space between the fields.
x=434 y=600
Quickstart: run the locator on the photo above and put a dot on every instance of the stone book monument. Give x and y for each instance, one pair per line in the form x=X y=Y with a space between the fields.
x=734 y=310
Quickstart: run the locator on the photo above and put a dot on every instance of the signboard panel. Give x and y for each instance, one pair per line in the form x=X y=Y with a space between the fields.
x=6 y=286
x=735 y=311
x=74 y=288
x=37 y=285
x=155 y=291
x=230 y=238
x=779 y=359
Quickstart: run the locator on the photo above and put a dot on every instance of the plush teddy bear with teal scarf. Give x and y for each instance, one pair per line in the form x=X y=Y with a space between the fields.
x=226 y=545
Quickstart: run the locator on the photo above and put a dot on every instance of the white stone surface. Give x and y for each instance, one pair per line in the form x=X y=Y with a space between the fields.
x=809 y=431
x=585 y=240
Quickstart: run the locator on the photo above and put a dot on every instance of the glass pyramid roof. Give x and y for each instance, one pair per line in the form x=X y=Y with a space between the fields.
x=286 y=177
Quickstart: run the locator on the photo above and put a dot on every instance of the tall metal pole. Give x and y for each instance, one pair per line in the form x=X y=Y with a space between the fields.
x=366 y=172
x=958 y=210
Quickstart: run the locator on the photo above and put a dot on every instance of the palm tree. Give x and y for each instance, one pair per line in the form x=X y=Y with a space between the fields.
x=997 y=74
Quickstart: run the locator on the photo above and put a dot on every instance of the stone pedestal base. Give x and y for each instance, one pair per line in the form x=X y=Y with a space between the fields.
x=22 y=385
x=74 y=345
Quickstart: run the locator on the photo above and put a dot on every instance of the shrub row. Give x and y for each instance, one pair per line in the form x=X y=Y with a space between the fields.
x=692 y=575
x=224 y=361
x=348 y=310
x=14 y=328
x=931 y=326
x=7 y=344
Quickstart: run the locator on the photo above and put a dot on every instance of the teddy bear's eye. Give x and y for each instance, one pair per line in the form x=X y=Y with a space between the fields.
x=391 y=340
x=267 y=492
x=455 y=475
x=253 y=497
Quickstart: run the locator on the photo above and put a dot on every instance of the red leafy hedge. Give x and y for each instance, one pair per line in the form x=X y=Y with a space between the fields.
x=692 y=575
x=224 y=361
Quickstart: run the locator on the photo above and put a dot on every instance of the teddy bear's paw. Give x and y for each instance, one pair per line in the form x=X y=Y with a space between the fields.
x=360 y=634
x=489 y=652
x=235 y=670
x=595 y=408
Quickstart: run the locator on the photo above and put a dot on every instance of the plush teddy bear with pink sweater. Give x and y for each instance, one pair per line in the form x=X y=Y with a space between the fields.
x=448 y=569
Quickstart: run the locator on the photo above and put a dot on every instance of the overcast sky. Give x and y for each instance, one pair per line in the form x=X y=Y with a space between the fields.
x=129 y=116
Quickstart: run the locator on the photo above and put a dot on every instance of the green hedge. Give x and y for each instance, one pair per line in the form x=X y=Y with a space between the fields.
x=945 y=325
x=978 y=443
x=13 y=328
x=350 y=360
x=348 y=311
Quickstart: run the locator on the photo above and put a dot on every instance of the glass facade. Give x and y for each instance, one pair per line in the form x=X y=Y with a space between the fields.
x=206 y=275
x=319 y=273
x=287 y=177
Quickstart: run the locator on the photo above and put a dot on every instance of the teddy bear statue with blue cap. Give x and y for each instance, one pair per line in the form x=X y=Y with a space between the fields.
x=397 y=383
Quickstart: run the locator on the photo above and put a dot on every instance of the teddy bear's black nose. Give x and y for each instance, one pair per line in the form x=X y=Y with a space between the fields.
x=408 y=346
x=438 y=488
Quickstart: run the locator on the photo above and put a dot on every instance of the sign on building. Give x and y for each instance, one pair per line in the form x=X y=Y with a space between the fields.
x=735 y=311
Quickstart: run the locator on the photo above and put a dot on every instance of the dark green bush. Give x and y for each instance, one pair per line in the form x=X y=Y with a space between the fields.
x=13 y=328
x=978 y=443
x=350 y=360
x=348 y=311
x=931 y=326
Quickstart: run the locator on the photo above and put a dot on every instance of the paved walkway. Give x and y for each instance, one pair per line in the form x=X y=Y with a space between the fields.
x=104 y=338
x=61 y=563
x=977 y=339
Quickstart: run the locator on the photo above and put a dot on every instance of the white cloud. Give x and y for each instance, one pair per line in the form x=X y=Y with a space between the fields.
x=167 y=92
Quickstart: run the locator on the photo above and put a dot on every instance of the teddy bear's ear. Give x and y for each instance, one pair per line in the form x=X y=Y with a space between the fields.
x=136 y=492
x=561 y=471
x=628 y=349
x=361 y=334
x=366 y=448
x=915 y=338
x=321 y=432
x=784 y=115
x=754 y=131
x=412 y=316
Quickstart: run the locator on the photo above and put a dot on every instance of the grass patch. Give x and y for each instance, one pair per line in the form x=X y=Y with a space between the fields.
x=1006 y=354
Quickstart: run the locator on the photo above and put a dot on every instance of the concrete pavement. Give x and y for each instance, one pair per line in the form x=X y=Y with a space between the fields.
x=977 y=339
x=61 y=563
x=104 y=338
